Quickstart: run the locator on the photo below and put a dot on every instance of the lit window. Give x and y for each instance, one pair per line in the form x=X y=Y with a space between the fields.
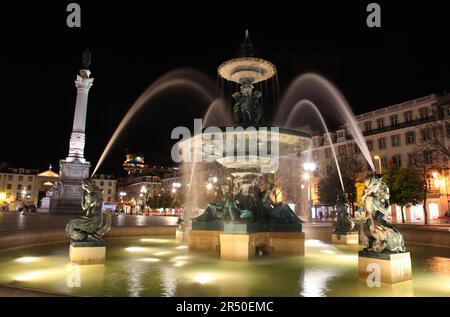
x=381 y=143
x=410 y=137
x=394 y=120
x=423 y=113
x=315 y=155
x=408 y=116
x=380 y=123
x=395 y=140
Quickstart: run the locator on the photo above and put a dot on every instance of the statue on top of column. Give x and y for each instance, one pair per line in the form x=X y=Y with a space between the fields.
x=86 y=59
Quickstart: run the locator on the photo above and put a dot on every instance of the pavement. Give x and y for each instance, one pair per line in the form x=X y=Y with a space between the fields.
x=15 y=221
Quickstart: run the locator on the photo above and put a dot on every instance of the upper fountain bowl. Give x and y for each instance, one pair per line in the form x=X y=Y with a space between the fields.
x=247 y=70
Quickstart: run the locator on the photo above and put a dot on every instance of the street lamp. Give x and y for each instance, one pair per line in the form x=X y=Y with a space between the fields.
x=376 y=157
x=309 y=166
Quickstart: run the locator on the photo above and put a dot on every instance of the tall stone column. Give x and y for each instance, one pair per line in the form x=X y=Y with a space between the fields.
x=65 y=197
x=77 y=138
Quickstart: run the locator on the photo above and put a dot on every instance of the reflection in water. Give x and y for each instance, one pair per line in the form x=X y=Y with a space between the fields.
x=325 y=270
x=135 y=276
x=439 y=265
x=314 y=283
x=168 y=281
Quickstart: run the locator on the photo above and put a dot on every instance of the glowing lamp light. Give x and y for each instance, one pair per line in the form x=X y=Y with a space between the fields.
x=209 y=186
x=203 y=278
x=181 y=247
x=160 y=253
x=306 y=176
x=27 y=259
x=174 y=190
x=309 y=166
x=28 y=276
x=151 y=260
x=2 y=196
x=134 y=249
x=179 y=263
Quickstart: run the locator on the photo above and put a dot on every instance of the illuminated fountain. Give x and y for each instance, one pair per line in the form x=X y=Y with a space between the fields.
x=246 y=221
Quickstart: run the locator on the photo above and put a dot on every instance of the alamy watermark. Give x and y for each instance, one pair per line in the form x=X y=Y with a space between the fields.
x=231 y=145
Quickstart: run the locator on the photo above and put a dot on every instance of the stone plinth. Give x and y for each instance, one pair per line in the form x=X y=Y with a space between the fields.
x=203 y=240
x=243 y=246
x=346 y=238
x=393 y=267
x=87 y=253
x=236 y=247
x=287 y=243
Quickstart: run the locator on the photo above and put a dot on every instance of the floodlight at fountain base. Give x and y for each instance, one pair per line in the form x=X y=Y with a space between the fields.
x=245 y=246
x=87 y=253
x=389 y=268
x=349 y=238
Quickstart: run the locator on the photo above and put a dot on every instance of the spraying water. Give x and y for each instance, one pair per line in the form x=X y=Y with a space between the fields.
x=190 y=79
x=312 y=83
x=217 y=115
x=306 y=103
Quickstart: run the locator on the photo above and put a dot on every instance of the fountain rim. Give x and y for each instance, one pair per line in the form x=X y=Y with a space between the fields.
x=225 y=69
x=285 y=131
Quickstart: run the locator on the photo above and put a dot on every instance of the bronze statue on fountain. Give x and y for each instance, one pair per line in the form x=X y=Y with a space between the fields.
x=344 y=222
x=91 y=227
x=382 y=237
x=254 y=211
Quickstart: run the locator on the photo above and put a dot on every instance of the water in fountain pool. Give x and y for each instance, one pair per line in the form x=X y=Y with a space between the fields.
x=156 y=266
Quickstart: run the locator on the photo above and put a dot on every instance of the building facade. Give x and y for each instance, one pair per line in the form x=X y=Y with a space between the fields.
x=108 y=185
x=17 y=185
x=393 y=134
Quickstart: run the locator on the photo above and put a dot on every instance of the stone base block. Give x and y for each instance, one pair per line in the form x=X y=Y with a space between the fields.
x=203 y=240
x=348 y=238
x=243 y=247
x=84 y=255
x=287 y=243
x=392 y=268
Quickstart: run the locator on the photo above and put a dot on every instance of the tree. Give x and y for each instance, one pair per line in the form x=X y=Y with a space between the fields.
x=405 y=185
x=426 y=158
x=352 y=168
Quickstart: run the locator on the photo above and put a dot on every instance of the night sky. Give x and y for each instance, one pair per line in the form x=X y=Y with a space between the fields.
x=133 y=44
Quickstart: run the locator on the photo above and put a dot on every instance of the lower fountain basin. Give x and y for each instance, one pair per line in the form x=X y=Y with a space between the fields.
x=157 y=266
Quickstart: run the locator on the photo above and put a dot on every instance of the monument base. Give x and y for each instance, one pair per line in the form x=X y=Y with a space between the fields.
x=394 y=267
x=203 y=240
x=66 y=197
x=86 y=253
x=346 y=238
x=245 y=246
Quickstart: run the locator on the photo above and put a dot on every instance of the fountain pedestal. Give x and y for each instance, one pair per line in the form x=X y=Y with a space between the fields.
x=348 y=238
x=87 y=253
x=245 y=246
x=204 y=240
x=388 y=267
